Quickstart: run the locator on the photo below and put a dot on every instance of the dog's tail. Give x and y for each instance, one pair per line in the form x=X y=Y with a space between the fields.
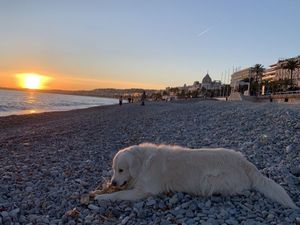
x=269 y=187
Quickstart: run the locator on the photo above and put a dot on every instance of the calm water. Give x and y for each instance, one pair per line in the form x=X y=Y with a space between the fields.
x=20 y=102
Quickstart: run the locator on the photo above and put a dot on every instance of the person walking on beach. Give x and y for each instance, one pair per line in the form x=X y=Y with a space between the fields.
x=143 y=97
x=120 y=100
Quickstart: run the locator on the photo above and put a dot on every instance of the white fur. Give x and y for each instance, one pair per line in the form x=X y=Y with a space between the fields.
x=150 y=169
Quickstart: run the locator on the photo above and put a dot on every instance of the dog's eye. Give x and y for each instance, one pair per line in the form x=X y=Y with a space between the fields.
x=120 y=170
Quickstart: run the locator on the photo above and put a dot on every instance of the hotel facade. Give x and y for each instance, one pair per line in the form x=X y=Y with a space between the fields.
x=273 y=73
x=276 y=72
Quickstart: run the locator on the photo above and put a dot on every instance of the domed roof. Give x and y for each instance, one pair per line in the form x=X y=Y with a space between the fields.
x=206 y=79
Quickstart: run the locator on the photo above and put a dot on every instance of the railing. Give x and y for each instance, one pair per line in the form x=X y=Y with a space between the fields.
x=287 y=92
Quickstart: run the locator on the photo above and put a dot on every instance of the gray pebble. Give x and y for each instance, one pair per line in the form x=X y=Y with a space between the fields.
x=208 y=204
x=93 y=207
x=4 y=214
x=295 y=170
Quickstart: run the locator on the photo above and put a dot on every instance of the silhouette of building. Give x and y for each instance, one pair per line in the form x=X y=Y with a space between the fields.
x=208 y=84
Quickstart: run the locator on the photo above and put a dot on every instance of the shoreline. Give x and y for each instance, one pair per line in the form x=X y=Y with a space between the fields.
x=53 y=111
x=49 y=160
x=30 y=102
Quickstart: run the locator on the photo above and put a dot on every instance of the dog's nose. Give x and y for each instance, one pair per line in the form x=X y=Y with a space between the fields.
x=114 y=183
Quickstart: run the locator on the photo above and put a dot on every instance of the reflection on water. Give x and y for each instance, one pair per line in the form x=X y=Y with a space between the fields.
x=30 y=98
x=27 y=102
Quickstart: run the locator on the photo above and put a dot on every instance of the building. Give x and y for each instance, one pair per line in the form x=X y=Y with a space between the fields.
x=208 y=84
x=238 y=76
x=276 y=72
x=194 y=89
x=270 y=73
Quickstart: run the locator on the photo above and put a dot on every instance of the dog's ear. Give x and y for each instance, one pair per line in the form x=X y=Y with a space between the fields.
x=134 y=165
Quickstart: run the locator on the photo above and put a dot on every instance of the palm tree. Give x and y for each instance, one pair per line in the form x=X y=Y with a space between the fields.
x=258 y=70
x=291 y=65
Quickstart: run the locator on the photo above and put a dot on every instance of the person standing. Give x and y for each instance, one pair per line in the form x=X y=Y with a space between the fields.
x=120 y=100
x=143 y=97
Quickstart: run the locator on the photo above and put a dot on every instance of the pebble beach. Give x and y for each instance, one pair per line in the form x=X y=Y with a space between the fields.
x=49 y=162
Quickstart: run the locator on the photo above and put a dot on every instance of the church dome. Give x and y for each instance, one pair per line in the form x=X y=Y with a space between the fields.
x=206 y=79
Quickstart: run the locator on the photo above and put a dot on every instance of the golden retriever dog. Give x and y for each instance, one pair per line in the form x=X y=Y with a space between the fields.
x=148 y=169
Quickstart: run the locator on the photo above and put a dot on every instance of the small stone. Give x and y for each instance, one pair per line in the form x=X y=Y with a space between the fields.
x=223 y=213
x=206 y=223
x=295 y=170
x=28 y=189
x=189 y=214
x=190 y=221
x=125 y=220
x=85 y=199
x=288 y=148
x=33 y=218
x=7 y=221
x=73 y=212
x=180 y=195
x=231 y=221
x=161 y=205
x=88 y=219
x=22 y=219
x=177 y=212
x=93 y=207
x=208 y=204
x=173 y=200
x=14 y=212
x=249 y=222
x=150 y=202
x=297 y=126
x=71 y=222
x=138 y=205
x=4 y=214
x=297 y=180
x=185 y=205
x=193 y=206
x=232 y=211
x=81 y=182
x=46 y=220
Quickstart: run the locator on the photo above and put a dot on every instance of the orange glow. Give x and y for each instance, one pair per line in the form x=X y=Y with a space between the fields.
x=32 y=80
x=55 y=80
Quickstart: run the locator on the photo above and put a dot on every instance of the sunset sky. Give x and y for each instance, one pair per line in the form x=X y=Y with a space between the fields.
x=147 y=44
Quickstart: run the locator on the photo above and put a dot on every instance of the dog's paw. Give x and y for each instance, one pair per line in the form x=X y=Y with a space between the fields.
x=102 y=197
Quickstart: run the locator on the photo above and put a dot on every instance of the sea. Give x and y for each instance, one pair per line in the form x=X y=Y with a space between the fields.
x=26 y=102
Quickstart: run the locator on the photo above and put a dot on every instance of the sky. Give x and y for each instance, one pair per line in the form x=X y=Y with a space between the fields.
x=147 y=44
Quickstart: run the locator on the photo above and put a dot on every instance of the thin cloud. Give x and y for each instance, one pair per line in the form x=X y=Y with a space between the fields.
x=204 y=31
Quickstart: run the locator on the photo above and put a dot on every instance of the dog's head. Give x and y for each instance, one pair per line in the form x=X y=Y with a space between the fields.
x=126 y=166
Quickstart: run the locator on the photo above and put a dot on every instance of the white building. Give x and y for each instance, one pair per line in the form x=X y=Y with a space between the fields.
x=278 y=73
x=208 y=84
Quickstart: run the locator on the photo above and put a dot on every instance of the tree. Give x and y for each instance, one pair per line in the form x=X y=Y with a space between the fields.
x=258 y=70
x=291 y=65
x=195 y=93
x=156 y=96
x=181 y=94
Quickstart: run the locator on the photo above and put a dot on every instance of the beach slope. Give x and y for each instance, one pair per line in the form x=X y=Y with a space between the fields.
x=48 y=161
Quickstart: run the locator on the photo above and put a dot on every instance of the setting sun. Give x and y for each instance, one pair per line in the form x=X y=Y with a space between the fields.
x=31 y=80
